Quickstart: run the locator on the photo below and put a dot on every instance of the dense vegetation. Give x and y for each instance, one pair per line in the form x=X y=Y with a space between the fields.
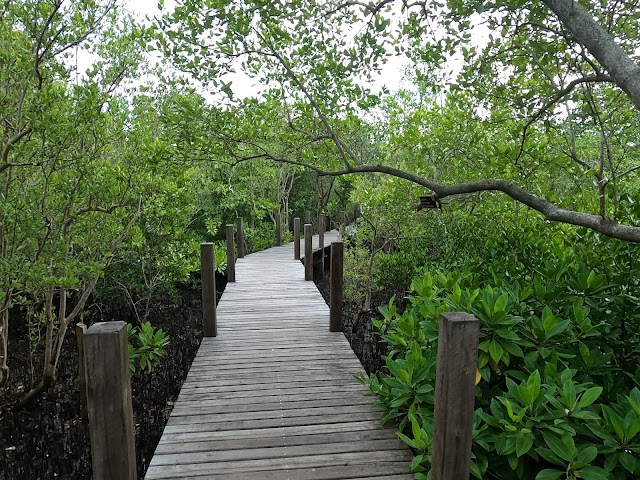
x=521 y=119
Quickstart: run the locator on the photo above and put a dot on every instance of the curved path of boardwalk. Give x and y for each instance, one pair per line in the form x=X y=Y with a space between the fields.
x=273 y=395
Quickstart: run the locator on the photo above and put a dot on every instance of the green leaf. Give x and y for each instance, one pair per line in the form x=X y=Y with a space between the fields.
x=495 y=350
x=549 y=474
x=589 y=396
x=524 y=444
x=533 y=384
x=586 y=456
x=628 y=461
x=501 y=303
x=559 y=446
x=593 y=473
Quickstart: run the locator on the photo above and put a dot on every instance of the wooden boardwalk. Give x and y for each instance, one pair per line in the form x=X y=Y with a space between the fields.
x=273 y=395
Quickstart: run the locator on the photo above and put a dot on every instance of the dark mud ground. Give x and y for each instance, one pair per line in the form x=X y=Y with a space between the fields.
x=48 y=440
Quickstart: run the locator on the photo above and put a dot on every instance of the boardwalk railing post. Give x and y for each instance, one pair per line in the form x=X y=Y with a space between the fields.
x=308 y=252
x=321 y=230
x=455 y=396
x=109 y=403
x=240 y=237
x=81 y=330
x=278 y=230
x=335 y=288
x=296 y=238
x=208 y=280
x=231 y=255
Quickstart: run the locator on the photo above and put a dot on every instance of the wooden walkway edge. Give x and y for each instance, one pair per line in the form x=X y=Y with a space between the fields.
x=273 y=395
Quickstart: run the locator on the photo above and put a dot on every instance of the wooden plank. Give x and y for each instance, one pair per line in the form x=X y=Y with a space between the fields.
x=284 y=441
x=369 y=471
x=338 y=459
x=276 y=432
x=275 y=452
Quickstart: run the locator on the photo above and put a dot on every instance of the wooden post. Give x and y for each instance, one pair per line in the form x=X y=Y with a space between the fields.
x=321 y=230
x=308 y=252
x=240 y=237
x=81 y=330
x=231 y=255
x=278 y=230
x=455 y=396
x=296 y=238
x=208 y=280
x=109 y=403
x=335 y=288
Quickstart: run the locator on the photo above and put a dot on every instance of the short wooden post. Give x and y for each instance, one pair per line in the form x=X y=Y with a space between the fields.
x=109 y=403
x=307 y=217
x=308 y=252
x=455 y=396
x=81 y=330
x=335 y=288
x=208 y=280
x=231 y=255
x=321 y=230
x=240 y=237
x=278 y=230
x=296 y=238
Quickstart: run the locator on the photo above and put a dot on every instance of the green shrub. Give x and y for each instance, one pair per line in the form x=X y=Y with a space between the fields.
x=548 y=402
x=147 y=346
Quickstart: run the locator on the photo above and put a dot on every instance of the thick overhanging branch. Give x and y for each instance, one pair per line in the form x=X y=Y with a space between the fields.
x=590 y=34
x=550 y=211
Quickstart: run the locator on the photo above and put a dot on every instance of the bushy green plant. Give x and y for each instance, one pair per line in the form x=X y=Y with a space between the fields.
x=261 y=237
x=547 y=397
x=147 y=346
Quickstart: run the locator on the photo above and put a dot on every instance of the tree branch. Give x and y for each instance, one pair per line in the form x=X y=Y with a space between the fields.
x=550 y=211
x=600 y=44
x=560 y=94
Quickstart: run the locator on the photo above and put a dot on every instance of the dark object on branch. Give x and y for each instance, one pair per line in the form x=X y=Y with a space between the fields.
x=429 y=201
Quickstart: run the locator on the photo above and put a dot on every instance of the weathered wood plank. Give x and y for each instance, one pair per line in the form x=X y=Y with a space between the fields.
x=276 y=432
x=338 y=459
x=369 y=471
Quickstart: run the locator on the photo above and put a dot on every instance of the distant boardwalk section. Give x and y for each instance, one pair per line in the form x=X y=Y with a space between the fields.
x=273 y=395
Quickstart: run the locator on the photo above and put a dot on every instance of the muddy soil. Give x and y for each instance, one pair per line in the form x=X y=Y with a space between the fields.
x=48 y=440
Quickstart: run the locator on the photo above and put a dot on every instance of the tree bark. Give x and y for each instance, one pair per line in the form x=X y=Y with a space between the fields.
x=590 y=34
